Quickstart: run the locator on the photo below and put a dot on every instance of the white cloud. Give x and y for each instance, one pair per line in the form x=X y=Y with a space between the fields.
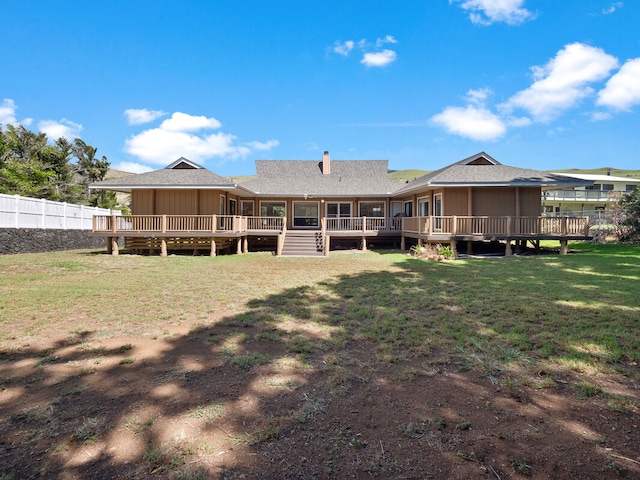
x=600 y=116
x=182 y=122
x=474 y=122
x=344 y=48
x=132 y=167
x=181 y=136
x=8 y=112
x=137 y=116
x=378 y=59
x=622 y=91
x=268 y=145
x=614 y=6
x=372 y=56
x=387 y=39
x=562 y=82
x=479 y=96
x=486 y=12
x=63 y=128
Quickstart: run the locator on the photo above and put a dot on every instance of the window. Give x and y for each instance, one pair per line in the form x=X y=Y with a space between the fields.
x=372 y=209
x=607 y=187
x=408 y=209
x=223 y=204
x=247 y=207
x=630 y=188
x=273 y=209
x=232 y=206
x=305 y=214
x=396 y=209
x=437 y=212
x=423 y=207
x=338 y=209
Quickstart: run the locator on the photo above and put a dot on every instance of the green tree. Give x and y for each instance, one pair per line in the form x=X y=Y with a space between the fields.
x=91 y=169
x=630 y=205
x=22 y=170
x=33 y=167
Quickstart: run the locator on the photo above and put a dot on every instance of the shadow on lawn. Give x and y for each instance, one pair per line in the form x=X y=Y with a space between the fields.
x=407 y=373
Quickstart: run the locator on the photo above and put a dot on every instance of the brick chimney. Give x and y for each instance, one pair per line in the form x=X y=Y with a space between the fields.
x=326 y=163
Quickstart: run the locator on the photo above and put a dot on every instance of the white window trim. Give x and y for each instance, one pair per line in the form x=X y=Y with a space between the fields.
x=284 y=202
x=384 y=206
x=422 y=200
x=293 y=217
x=338 y=204
x=242 y=202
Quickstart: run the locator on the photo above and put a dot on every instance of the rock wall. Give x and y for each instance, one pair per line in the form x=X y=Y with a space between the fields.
x=31 y=240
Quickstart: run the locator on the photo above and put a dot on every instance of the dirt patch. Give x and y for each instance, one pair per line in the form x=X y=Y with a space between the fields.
x=236 y=400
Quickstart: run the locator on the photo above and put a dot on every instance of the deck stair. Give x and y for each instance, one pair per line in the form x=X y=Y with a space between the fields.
x=303 y=243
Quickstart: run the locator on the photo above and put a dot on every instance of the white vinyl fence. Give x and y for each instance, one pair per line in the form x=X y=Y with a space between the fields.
x=24 y=212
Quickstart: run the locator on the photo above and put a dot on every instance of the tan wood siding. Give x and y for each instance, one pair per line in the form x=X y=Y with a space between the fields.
x=455 y=201
x=208 y=204
x=530 y=201
x=142 y=202
x=494 y=201
x=177 y=202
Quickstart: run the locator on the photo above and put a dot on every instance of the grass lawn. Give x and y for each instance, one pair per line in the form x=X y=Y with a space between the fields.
x=103 y=359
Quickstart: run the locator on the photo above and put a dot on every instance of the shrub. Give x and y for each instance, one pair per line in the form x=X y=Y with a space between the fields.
x=432 y=252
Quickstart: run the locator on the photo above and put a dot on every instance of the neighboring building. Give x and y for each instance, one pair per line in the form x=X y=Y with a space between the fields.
x=306 y=206
x=588 y=200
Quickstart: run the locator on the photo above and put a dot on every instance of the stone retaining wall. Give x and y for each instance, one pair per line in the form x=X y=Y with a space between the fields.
x=31 y=240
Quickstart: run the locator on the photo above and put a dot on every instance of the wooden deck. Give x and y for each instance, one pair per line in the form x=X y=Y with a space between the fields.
x=203 y=231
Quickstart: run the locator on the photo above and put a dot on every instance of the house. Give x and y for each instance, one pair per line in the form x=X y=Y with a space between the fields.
x=311 y=207
x=588 y=200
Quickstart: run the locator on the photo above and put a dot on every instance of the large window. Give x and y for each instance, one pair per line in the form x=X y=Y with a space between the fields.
x=372 y=209
x=408 y=209
x=305 y=214
x=273 y=209
x=247 y=207
x=338 y=209
x=423 y=207
x=437 y=211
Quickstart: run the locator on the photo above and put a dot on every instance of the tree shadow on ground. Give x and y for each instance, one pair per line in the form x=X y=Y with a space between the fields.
x=404 y=373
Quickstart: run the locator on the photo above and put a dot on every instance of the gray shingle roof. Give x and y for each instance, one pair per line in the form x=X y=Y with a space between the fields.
x=167 y=178
x=305 y=177
x=481 y=170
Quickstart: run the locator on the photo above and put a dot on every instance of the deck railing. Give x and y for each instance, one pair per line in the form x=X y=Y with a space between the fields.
x=183 y=223
x=431 y=225
x=502 y=226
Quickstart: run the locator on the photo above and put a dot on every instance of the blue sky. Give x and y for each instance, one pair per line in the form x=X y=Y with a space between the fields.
x=541 y=84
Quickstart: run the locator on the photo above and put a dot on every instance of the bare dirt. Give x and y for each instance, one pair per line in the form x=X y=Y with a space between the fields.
x=202 y=403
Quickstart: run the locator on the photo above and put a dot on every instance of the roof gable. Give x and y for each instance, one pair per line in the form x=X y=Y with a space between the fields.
x=483 y=170
x=181 y=174
x=479 y=159
x=182 y=163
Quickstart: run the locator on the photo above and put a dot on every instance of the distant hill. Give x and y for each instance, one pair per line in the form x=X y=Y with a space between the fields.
x=117 y=174
x=603 y=171
x=406 y=175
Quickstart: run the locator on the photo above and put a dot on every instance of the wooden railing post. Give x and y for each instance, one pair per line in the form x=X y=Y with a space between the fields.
x=454 y=226
x=364 y=224
x=114 y=226
x=563 y=226
x=163 y=224
x=509 y=226
x=214 y=222
x=586 y=226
